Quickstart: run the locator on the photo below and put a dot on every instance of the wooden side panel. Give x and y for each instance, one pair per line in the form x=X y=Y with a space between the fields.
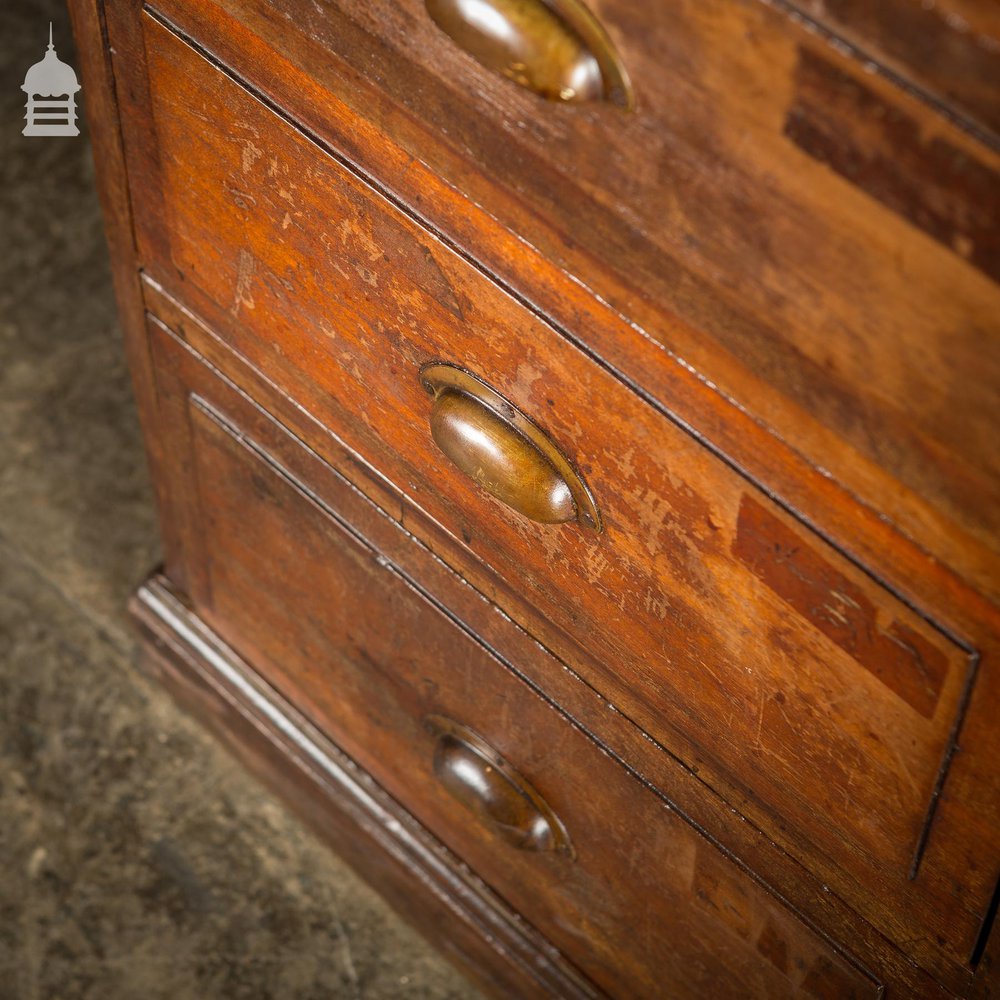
x=300 y=593
x=340 y=298
x=103 y=109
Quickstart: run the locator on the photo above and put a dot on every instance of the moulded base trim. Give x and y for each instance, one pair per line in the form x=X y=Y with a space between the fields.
x=417 y=875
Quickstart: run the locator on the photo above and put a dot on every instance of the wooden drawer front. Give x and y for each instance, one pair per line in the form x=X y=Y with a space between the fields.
x=353 y=642
x=816 y=241
x=707 y=612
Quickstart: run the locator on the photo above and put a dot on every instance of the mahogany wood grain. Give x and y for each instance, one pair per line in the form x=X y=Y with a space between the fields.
x=689 y=563
x=300 y=591
x=949 y=49
x=114 y=191
x=666 y=380
x=424 y=881
x=836 y=318
x=343 y=80
x=425 y=552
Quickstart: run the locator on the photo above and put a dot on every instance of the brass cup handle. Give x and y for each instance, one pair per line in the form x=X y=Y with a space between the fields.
x=555 y=48
x=496 y=445
x=478 y=777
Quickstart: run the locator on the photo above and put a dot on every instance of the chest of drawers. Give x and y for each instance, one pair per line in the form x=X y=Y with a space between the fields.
x=579 y=490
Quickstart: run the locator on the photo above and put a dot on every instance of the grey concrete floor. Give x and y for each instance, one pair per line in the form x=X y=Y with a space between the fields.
x=136 y=858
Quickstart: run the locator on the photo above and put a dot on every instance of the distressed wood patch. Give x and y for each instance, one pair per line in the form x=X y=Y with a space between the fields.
x=955 y=58
x=899 y=656
x=880 y=149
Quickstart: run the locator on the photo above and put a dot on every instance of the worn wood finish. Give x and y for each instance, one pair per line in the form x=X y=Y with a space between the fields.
x=287 y=585
x=694 y=562
x=113 y=188
x=424 y=881
x=858 y=133
x=950 y=50
x=822 y=311
x=418 y=546
x=666 y=380
x=885 y=618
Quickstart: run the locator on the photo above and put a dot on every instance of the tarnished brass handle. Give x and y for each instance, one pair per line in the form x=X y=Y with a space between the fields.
x=555 y=48
x=503 y=451
x=475 y=774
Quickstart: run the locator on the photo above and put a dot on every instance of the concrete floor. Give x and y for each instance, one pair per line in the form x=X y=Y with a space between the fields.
x=136 y=858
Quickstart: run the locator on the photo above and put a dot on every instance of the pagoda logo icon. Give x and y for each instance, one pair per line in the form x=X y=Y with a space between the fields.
x=51 y=86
